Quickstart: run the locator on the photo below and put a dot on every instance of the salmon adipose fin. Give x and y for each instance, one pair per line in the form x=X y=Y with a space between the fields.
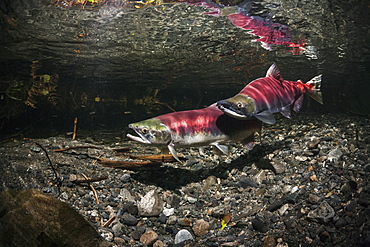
x=266 y=116
x=315 y=93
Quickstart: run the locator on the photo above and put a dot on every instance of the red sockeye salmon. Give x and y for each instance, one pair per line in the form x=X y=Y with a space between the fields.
x=265 y=96
x=195 y=128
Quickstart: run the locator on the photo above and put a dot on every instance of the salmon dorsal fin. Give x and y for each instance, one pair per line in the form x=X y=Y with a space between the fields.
x=274 y=72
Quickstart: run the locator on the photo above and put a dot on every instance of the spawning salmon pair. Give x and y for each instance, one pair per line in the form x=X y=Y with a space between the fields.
x=231 y=120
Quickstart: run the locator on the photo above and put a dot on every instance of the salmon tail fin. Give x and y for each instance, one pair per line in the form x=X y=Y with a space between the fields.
x=315 y=93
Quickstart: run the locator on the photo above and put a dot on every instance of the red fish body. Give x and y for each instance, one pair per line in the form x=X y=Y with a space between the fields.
x=265 y=96
x=269 y=33
x=192 y=128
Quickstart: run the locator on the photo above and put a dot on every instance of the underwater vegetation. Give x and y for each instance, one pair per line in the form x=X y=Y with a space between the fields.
x=18 y=94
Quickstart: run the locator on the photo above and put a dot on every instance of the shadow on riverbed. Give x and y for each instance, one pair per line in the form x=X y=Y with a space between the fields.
x=172 y=178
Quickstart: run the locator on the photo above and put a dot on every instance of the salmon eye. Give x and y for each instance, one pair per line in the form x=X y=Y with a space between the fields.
x=239 y=105
x=144 y=130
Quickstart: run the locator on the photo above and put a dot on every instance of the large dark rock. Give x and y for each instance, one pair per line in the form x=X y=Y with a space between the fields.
x=32 y=218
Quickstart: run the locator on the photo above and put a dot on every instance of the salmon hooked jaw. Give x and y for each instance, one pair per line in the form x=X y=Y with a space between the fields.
x=150 y=132
x=226 y=108
x=140 y=135
x=138 y=138
x=239 y=106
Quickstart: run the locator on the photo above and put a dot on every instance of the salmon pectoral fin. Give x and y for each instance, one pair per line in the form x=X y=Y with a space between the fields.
x=248 y=142
x=286 y=112
x=266 y=116
x=223 y=148
x=172 y=150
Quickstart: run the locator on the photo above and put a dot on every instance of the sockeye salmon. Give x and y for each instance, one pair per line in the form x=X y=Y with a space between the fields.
x=195 y=128
x=265 y=96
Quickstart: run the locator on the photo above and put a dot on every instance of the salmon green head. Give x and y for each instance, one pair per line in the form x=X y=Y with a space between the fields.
x=240 y=106
x=151 y=131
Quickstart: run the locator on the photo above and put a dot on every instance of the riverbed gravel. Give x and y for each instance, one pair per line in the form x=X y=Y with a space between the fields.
x=305 y=183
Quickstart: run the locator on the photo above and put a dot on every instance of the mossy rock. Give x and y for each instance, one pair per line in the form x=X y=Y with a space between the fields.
x=32 y=218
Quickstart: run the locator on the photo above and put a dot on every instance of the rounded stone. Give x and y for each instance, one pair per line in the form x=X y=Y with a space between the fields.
x=182 y=236
x=151 y=204
x=149 y=237
x=201 y=227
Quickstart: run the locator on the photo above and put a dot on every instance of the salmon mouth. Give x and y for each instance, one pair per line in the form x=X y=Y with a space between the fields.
x=227 y=109
x=139 y=138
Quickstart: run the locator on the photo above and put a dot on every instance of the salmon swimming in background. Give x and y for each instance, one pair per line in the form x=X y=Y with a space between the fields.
x=265 y=96
x=195 y=128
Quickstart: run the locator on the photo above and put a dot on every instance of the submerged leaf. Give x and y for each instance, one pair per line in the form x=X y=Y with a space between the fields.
x=226 y=219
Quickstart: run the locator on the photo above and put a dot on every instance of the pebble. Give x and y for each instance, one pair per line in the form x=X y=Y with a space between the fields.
x=286 y=189
x=72 y=177
x=129 y=219
x=172 y=220
x=260 y=177
x=278 y=167
x=334 y=155
x=119 y=241
x=117 y=229
x=246 y=182
x=208 y=182
x=313 y=143
x=184 y=222
x=269 y=241
x=301 y=158
x=182 y=236
x=136 y=234
x=162 y=218
x=260 y=224
x=151 y=204
x=107 y=235
x=126 y=195
x=125 y=178
x=191 y=199
x=341 y=223
x=313 y=199
x=168 y=211
x=158 y=243
x=323 y=214
x=200 y=227
x=131 y=208
x=149 y=237
x=283 y=209
x=35 y=149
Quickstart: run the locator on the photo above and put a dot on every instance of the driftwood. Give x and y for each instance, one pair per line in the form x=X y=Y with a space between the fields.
x=75 y=147
x=109 y=221
x=155 y=158
x=89 y=180
x=122 y=150
x=125 y=164
x=59 y=182
x=93 y=189
x=74 y=129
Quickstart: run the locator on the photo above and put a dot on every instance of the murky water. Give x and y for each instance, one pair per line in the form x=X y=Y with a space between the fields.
x=118 y=63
